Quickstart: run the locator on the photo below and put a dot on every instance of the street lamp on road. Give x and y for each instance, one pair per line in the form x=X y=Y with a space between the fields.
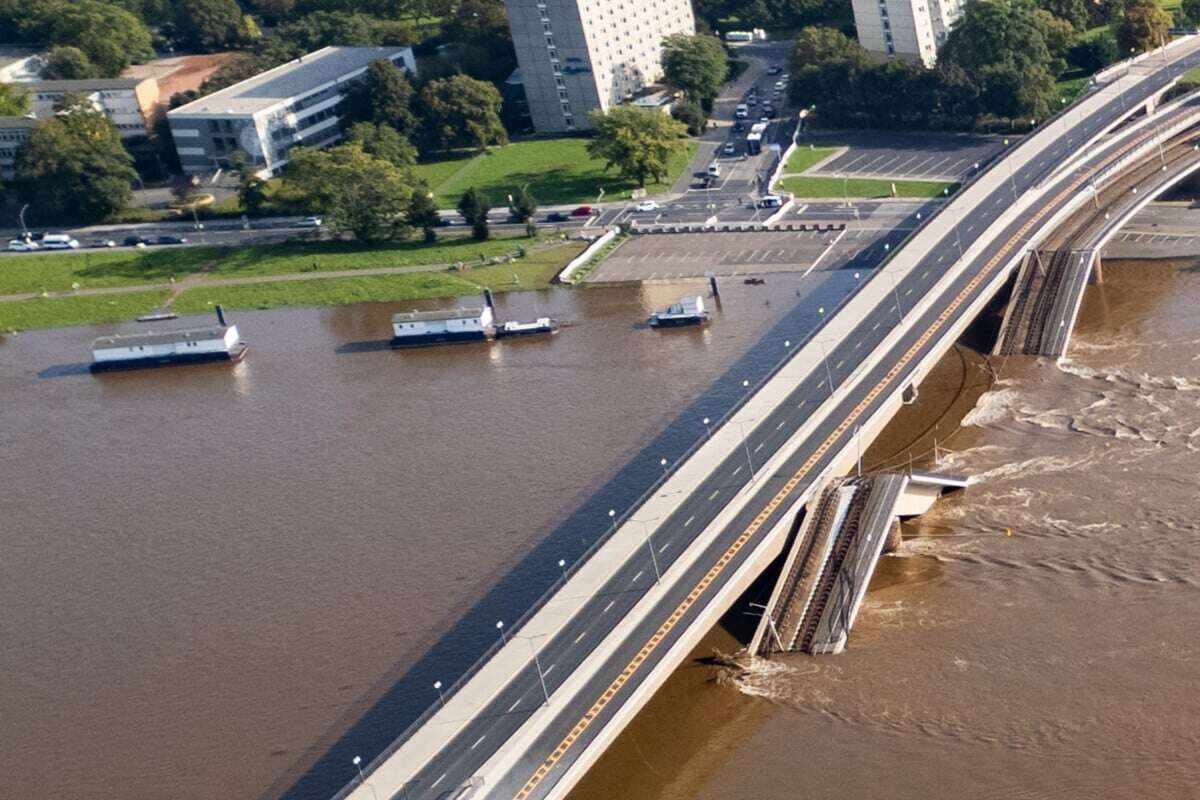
x=437 y=685
x=500 y=627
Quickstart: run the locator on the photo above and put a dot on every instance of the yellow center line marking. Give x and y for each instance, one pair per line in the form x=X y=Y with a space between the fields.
x=727 y=557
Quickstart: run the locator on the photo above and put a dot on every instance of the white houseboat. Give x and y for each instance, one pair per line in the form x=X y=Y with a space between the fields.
x=688 y=311
x=419 y=328
x=219 y=342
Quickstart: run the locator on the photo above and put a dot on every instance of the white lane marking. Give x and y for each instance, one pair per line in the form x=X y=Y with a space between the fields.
x=839 y=364
x=760 y=446
x=579 y=638
x=546 y=671
x=439 y=780
x=664 y=547
x=875 y=327
x=478 y=741
x=713 y=496
x=635 y=580
x=514 y=705
x=736 y=471
x=689 y=520
x=607 y=607
x=780 y=425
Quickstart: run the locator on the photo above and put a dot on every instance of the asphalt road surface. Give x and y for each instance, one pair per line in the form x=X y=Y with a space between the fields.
x=920 y=156
x=489 y=731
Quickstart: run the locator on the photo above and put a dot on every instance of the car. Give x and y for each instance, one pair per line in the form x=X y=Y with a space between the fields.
x=22 y=246
x=779 y=86
x=785 y=77
x=770 y=112
x=714 y=170
x=136 y=241
x=557 y=216
x=775 y=95
x=647 y=205
x=770 y=201
x=741 y=112
x=59 y=241
x=739 y=126
x=582 y=211
x=310 y=222
x=171 y=240
x=103 y=243
x=447 y=222
x=775 y=71
x=752 y=101
x=730 y=149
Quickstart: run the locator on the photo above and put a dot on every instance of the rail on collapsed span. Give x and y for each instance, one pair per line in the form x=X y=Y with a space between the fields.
x=735 y=407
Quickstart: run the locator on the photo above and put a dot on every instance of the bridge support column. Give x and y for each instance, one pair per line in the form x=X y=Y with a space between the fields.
x=892 y=543
x=1097 y=269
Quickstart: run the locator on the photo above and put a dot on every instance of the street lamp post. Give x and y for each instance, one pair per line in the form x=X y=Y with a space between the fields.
x=612 y=515
x=362 y=778
x=562 y=567
x=500 y=627
x=437 y=685
x=707 y=429
x=666 y=473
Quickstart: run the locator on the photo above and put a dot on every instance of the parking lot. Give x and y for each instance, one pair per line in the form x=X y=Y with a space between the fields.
x=691 y=255
x=928 y=156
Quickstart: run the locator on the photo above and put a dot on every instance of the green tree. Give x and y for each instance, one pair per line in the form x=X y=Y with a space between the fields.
x=1189 y=12
x=1142 y=26
x=994 y=33
x=67 y=63
x=383 y=141
x=1095 y=53
x=1058 y=35
x=208 y=25
x=696 y=65
x=354 y=191
x=324 y=28
x=13 y=101
x=462 y=112
x=476 y=20
x=73 y=167
x=522 y=206
x=384 y=95
x=474 y=207
x=252 y=190
x=825 y=63
x=691 y=115
x=1073 y=11
x=638 y=142
x=423 y=211
x=109 y=36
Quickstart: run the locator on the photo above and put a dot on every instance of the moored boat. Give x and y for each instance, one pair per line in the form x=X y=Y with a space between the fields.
x=688 y=311
x=218 y=342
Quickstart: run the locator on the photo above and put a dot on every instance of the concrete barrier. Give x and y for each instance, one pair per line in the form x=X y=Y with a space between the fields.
x=570 y=269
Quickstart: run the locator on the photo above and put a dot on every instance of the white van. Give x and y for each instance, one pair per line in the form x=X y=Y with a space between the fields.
x=59 y=241
x=714 y=170
x=742 y=111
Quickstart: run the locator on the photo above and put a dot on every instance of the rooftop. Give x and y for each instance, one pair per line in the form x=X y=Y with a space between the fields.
x=83 y=84
x=166 y=337
x=293 y=79
x=9 y=123
x=447 y=313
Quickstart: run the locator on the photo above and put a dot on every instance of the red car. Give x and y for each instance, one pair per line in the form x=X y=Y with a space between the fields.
x=582 y=211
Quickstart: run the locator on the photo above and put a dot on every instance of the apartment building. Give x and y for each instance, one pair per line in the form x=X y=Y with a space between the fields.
x=907 y=29
x=579 y=55
x=14 y=132
x=294 y=104
x=130 y=103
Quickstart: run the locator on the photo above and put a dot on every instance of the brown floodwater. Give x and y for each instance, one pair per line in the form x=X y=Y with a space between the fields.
x=1036 y=635
x=225 y=581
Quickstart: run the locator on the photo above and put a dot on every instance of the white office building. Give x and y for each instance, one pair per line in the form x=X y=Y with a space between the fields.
x=579 y=55
x=912 y=30
x=295 y=104
x=14 y=133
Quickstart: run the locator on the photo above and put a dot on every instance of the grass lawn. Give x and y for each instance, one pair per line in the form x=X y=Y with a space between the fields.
x=804 y=158
x=862 y=187
x=55 y=272
x=53 y=312
x=290 y=257
x=556 y=171
x=533 y=272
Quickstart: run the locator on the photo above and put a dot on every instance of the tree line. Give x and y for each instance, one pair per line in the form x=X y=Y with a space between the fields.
x=999 y=62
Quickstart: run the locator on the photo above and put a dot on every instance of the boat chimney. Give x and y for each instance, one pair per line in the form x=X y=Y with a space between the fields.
x=712 y=284
x=220 y=316
x=487 y=298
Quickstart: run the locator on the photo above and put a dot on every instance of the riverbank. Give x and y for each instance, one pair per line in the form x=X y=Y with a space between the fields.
x=56 y=290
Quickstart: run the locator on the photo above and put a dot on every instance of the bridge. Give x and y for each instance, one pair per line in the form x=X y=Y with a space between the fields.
x=536 y=711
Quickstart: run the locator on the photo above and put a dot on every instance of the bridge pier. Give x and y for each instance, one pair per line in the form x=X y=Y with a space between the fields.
x=1097 y=269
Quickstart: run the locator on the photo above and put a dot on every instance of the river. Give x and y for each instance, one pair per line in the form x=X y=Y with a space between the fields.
x=225 y=581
